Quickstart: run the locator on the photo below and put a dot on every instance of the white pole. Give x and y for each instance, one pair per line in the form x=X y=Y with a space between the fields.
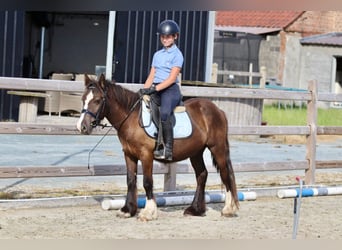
x=210 y=46
x=110 y=45
x=297 y=203
x=41 y=60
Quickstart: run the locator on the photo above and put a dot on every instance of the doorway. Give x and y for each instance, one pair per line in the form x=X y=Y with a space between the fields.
x=337 y=79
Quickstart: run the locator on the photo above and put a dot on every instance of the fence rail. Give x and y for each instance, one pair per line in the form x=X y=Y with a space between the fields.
x=311 y=130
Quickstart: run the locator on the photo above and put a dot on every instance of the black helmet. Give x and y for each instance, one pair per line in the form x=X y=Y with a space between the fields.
x=168 y=27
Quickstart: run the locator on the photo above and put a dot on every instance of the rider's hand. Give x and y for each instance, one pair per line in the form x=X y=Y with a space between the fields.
x=148 y=91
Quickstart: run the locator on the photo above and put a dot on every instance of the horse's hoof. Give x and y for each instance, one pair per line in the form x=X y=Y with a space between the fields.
x=146 y=216
x=229 y=211
x=190 y=211
x=121 y=214
x=229 y=215
x=150 y=211
x=143 y=218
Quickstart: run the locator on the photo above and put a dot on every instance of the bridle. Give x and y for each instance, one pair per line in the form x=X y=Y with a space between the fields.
x=96 y=116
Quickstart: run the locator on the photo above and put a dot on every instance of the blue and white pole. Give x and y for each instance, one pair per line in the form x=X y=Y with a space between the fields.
x=176 y=199
x=308 y=192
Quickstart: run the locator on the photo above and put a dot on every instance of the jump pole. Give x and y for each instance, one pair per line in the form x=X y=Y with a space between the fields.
x=176 y=200
x=308 y=192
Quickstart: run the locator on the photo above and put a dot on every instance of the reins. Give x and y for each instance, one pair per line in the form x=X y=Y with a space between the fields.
x=97 y=121
x=129 y=112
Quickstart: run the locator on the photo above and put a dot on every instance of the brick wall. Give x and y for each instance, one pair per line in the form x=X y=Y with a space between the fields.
x=317 y=22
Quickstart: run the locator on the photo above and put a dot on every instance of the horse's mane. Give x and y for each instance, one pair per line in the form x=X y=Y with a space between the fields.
x=125 y=97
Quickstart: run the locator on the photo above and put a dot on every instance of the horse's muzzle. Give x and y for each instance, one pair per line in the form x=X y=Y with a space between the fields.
x=83 y=128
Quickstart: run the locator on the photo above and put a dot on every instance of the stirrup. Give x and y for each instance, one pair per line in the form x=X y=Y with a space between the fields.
x=163 y=154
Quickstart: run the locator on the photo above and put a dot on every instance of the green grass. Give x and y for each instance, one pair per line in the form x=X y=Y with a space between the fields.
x=292 y=116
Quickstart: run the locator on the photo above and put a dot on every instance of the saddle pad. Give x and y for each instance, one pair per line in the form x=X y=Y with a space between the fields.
x=182 y=128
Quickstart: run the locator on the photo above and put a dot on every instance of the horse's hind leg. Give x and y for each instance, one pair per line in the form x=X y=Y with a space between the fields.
x=198 y=207
x=221 y=158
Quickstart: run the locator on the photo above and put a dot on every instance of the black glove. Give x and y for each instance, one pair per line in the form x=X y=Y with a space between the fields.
x=148 y=91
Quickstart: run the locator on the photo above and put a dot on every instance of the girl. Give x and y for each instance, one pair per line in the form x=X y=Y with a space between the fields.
x=162 y=81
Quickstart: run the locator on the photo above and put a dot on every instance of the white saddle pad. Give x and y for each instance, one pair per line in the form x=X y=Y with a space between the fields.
x=182 y=128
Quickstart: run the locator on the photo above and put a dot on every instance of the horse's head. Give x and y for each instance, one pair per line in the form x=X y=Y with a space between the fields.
x=94 y=102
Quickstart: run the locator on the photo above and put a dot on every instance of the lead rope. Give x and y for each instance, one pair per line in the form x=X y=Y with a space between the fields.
x=110 y=128
x=98 y=143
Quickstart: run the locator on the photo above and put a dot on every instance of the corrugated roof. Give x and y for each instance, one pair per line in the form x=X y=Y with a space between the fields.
x=270 y=19
x=330 y=39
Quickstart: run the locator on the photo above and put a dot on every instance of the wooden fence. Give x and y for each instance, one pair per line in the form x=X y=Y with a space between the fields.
x=310 y=130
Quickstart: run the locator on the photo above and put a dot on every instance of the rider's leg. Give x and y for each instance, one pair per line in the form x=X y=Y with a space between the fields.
x=167 y=131
x=169 y=98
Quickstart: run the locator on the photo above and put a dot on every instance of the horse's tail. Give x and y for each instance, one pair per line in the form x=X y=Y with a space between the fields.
x=232 y=182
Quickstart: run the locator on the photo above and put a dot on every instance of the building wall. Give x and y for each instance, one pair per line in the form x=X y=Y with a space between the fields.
x=317 y=62
x=136 y=41
x=11 y=52
x=292 y=63
x=317 y=22
x=269 y=56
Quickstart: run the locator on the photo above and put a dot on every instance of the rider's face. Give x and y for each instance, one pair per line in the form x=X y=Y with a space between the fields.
x=168 y=40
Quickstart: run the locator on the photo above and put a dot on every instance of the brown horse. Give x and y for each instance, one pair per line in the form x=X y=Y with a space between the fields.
x=120 y=106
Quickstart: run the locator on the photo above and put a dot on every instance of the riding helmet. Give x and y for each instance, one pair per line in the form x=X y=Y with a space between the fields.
x=168 y=27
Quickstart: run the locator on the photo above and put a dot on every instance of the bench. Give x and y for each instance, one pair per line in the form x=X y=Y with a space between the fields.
x=28 y=107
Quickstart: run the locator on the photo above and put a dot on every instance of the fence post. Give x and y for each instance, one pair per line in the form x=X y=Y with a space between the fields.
x=170 y=177
x=312 y=137
x=214 y=73
x=250 y=77
x=263 y=74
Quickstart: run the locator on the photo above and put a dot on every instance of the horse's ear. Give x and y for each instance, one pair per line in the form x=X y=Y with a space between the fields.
x=102 y=81
x=86 y=79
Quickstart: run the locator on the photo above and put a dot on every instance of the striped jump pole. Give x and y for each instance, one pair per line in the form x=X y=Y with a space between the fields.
x=176 y=200
x=308 y=192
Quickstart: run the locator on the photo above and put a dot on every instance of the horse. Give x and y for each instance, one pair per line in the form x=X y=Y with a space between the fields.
x=106 y=99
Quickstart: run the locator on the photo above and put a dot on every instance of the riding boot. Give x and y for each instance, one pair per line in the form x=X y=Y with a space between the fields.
x=166 y=152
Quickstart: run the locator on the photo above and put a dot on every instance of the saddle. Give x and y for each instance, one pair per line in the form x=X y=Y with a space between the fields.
x=150 y=118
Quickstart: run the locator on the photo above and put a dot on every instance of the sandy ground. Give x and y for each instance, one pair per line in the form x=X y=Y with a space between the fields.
x=264 y=218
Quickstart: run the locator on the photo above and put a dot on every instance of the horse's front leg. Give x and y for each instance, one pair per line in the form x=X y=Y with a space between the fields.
x=150 y=210
x=198 y=206
x=130 y=207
